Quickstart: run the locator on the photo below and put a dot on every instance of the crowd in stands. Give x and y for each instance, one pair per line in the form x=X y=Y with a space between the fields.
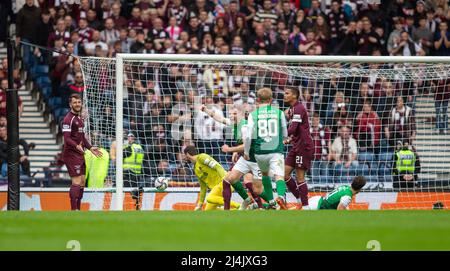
x=24 y=162
x=350 y=117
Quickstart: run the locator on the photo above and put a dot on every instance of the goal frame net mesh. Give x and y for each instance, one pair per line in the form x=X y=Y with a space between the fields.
x=155 y=101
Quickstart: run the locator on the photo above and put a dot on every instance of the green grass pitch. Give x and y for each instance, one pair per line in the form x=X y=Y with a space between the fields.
x=218 y=230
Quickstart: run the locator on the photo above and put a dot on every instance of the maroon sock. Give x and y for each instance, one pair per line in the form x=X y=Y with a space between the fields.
x=303 y=189
x=254 y=195
x=74 y=194
x=226 y=193
x=291 y=183
x=79 y=198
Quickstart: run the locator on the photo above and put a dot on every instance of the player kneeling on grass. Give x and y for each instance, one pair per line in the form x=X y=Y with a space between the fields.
x=340 y=198
x=210 y=175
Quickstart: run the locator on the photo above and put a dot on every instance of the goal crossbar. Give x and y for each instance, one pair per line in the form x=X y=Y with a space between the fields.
x=284 y=58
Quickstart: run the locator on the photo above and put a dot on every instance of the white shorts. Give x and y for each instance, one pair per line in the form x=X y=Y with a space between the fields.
x=314 y=202
x=245 y=167
x=272 y=163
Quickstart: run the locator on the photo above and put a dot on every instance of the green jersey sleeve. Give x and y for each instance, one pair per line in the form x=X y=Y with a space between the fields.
x=342 y=194
x=238 y=131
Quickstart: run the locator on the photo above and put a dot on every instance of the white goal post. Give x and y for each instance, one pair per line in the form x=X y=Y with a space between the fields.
x=417 y=77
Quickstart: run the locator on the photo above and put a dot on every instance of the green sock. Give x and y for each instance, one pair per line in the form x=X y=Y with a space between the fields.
x=281 y=188
x=264 y=197
x=267 y=195
x=240 y=189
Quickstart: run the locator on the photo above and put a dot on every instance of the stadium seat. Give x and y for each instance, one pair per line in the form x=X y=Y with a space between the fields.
x=55 y=102
x=363 y=169
x=43 y=81
x=39 y=70
x=320 y=172
x=60 y=112
x=385 y=157
x=384 y=173
x=384 y=146
x=366 y=157
x=46 y=92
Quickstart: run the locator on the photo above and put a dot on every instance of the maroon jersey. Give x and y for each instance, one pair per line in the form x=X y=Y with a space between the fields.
x=298 y=128
x=73 y=134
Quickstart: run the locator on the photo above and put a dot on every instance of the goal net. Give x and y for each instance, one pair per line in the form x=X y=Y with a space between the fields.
x=363 y=113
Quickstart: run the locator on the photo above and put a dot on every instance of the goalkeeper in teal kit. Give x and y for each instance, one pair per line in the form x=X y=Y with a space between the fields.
x=340 y=198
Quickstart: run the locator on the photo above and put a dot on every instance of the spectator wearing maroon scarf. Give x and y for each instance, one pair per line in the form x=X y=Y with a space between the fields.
x=402 y=123
x=60 y=31
x=84 y=31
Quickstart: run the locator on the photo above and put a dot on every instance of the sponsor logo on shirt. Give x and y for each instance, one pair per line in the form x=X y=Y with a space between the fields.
x=66 y=128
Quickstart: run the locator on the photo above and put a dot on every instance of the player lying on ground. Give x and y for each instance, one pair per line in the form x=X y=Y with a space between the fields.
x=241 y=167
x=210 y=175
x=73 y=153
x=340 y=198
x=302 y=151
x=263 y=141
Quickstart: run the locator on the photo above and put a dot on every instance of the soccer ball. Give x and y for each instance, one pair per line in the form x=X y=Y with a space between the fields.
x=161 y=183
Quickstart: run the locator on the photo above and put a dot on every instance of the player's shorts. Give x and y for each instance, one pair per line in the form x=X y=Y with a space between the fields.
x=313 y=202
x=272 y=162
x=301 y=160
x=75 y=164
x=245 y=167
